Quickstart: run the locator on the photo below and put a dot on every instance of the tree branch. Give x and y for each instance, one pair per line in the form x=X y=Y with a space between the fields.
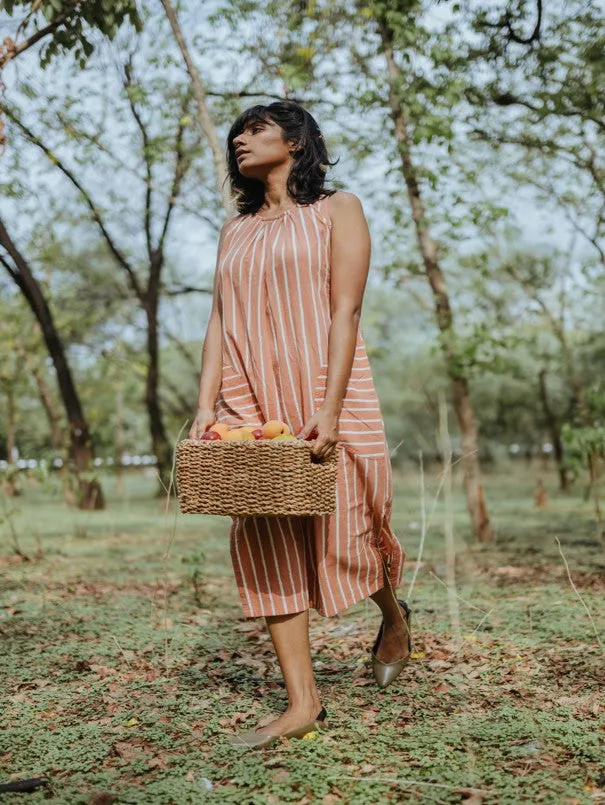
x=404 y=279
x=182 y=349
x=204 y=116
x=12 y=50
x=185 y=289
x=505 y=21
x=592 y=239
x=546 y=146
x=509 y=99
x=535 y=35
x=180 y=169
x=128 y=86
x=11 y=271
x=175 y=393
x=93 y=139
x=120 y=258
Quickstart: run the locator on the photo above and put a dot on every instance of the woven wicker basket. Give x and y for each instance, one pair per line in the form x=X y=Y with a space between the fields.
x=254 y=478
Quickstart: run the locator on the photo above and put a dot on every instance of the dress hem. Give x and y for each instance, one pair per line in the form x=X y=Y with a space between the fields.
x=325 y=613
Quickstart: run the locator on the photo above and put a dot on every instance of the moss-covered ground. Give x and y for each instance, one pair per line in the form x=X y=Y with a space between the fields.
x=126 y=661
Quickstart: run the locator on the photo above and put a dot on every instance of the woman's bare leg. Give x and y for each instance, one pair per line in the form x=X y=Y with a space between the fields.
x=290 y=635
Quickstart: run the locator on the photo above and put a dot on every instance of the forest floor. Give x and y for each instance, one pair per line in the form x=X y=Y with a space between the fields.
x=126 y=661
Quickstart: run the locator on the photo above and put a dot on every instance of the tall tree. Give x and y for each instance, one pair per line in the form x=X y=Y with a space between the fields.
x=81 y=445
x=404 y=122
x=156 y=150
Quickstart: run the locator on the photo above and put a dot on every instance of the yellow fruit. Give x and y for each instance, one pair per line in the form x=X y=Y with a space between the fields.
x=284 y=437
x=234 y=435
x=274 y=428
x=221 y=428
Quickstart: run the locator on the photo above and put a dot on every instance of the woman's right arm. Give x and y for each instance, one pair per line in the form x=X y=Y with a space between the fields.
x=212 y=360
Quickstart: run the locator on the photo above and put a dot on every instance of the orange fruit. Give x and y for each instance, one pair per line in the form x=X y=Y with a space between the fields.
x=274 y=428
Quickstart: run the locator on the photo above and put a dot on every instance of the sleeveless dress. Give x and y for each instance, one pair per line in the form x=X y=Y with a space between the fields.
x=274 y=290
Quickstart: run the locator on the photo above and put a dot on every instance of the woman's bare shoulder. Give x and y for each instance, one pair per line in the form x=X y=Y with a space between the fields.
x=343 y=204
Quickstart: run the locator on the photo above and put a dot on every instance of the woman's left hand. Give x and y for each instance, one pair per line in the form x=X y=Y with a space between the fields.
x=324 y=423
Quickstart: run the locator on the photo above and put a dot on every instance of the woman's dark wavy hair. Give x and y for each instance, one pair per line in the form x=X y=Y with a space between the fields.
x=308 y=173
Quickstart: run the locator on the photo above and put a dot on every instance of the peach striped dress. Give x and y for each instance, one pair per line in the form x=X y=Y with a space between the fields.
x=274 y=290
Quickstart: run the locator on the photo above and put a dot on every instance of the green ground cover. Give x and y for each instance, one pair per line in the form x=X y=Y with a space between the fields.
x=126 y=661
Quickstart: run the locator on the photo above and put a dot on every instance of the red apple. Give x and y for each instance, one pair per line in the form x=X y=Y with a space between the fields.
x=211 y=436
x=257 y=433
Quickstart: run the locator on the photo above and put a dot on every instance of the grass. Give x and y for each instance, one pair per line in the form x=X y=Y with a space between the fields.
x=127 y=662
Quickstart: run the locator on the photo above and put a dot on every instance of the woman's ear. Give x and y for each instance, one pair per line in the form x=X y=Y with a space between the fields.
x=296 y=147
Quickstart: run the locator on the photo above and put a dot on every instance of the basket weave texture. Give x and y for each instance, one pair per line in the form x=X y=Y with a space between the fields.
x=254 y=478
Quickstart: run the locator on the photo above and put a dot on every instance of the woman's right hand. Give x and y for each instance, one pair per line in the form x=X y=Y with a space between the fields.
x=204 y=419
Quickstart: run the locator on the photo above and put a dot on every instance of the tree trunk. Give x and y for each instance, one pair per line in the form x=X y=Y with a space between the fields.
x=119 y=450
x=12 y=484
x=160 y=443
x=593 y=472
x=204 y=117
x=469 y=447
x=578 y=407
x=56 y=436
x=461 y=400
x=554 y=429
x=81 y=451
x=147 y=297
x=448 y=522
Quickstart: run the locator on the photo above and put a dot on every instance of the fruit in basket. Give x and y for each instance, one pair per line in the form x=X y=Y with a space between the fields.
x=221 y=428
x=275 y=428
x=284 y=437
x=239 y=434
x=234 y=435
x=211 y=436
x=258 y=433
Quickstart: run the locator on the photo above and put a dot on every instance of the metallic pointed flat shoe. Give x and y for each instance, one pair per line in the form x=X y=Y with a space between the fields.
x=261 y=740
x=387 y=672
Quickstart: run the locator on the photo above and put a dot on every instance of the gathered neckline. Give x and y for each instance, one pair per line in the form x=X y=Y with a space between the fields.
x=289 y=211
x=273 y=217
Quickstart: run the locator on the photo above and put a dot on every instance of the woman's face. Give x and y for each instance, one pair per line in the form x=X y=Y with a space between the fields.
x=260 y=147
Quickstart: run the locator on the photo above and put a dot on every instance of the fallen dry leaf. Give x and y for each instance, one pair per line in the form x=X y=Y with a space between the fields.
x=129 y=750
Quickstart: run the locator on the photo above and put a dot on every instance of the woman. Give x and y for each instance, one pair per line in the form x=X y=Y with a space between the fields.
x=284 y=342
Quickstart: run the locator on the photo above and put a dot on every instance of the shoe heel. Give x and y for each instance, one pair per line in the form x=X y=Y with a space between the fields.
x=408 y=618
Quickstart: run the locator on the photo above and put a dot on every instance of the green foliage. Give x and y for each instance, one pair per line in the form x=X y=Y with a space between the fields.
x=582 y=445
x=587 y=442
x=76 y=23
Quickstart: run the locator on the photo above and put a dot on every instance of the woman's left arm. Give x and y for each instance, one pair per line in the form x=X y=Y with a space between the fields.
x=349 y=267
